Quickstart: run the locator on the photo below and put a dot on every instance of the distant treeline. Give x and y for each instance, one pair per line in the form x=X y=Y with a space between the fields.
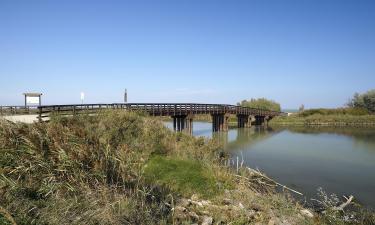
x=359 y=105
x=338 y=111
x=359 y=111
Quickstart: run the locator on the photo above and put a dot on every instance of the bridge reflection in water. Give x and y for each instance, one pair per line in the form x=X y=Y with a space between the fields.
x=241 y=138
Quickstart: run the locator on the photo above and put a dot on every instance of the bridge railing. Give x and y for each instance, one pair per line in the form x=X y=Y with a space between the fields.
x=155 y=109
x=18 y=110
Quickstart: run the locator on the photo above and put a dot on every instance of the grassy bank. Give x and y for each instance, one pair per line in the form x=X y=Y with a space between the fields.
x=125 y=168
x=327 y=117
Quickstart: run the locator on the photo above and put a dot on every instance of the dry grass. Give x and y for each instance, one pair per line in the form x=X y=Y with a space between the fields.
x=93 y=170
x=324 y=120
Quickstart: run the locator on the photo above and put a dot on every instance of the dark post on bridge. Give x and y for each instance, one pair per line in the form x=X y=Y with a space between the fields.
x=183 y=123
x=220 y=122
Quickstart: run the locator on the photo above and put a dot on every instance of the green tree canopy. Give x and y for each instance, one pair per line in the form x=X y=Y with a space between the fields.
x=366 y=100
x=261 y=103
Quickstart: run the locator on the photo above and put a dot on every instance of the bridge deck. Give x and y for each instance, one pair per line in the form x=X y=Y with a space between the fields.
x=158 y=109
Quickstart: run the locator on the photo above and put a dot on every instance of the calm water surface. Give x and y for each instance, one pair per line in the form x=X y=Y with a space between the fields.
x=340 y=160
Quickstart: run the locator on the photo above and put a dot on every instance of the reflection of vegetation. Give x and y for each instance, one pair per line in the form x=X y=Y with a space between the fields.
x=359 y=134
x=246 y=137
x=356 y=132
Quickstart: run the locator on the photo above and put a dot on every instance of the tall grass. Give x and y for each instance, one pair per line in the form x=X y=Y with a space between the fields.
x=90 y=169
x=328 y=117
x=120 y=168
x=75 y=170
x=338 y=111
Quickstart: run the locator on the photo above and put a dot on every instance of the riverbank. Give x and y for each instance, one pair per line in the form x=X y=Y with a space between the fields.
x=124 y=168
x=324 y=120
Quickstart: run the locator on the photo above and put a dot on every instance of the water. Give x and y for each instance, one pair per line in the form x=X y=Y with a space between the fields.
x=340 y=160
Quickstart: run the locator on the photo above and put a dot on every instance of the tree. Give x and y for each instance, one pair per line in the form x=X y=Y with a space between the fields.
x=369 y=100
x=357 y=101
x=366 y=100
x=261 y=103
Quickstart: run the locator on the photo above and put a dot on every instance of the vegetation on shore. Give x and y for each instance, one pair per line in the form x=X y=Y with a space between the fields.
x=125 y=168
x=359 y=112
x=327 y=117
x=261 y=103
x=365 y=100
x=335 y=112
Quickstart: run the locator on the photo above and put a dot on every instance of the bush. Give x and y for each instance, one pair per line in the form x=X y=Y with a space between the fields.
x=366 y=100
x=261 y=103
x=91 y=169
x=339 y=111
x=82 y=170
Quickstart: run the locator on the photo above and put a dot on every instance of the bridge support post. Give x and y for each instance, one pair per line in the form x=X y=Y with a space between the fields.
x=261 y=120
x=244 y=121
x=178 y=123
x=220 y=122
x=174 y=123
x=266 y=119
x=189 y=124
x=249 y=120
x=257 y=121
x=183 y=123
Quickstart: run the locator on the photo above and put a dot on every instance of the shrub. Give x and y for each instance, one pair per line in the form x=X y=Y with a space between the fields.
x=366 y=100
x=82 y=170
x=339 y=111
x=261 y=103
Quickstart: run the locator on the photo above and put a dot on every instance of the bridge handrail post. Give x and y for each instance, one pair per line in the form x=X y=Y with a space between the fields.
x=40 y=114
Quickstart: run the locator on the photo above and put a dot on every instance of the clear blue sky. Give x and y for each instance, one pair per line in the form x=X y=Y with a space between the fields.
x=315 y=52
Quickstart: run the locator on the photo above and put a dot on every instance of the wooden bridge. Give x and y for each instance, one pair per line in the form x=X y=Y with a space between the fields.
x=182 y=113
